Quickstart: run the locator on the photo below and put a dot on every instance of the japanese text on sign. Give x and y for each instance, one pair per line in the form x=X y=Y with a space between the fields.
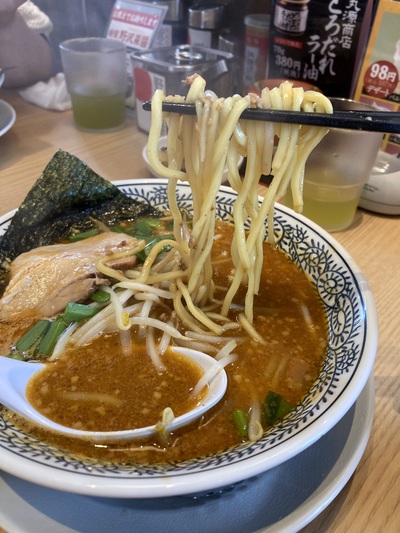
x=324 y=49
x=135 y=23
x=337 y=33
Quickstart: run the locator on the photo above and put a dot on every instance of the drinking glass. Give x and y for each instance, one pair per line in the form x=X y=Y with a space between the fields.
x=95 y=71
x=336 y=171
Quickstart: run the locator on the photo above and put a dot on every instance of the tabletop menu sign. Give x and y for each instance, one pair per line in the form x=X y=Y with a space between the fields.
x=136 y=24
x=318 y=42
x=379 y=80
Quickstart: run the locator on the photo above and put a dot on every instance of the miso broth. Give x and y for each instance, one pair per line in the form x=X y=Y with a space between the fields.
x=288 y=314
x=100 y=388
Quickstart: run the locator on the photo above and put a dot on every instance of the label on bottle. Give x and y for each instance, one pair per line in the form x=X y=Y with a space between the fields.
x=290 y=20
x=200 y=37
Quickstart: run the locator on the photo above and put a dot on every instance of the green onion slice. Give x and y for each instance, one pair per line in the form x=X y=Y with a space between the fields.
x=100 y=296
x=31 y=336
x=49 y=339
x=275 y=407
x=143 y=254
x=84 y=235
x=241 y=423
x=76 y=312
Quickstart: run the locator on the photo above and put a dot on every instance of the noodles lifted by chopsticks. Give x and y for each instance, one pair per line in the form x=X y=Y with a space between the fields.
x=203 y=145
x=169 y=299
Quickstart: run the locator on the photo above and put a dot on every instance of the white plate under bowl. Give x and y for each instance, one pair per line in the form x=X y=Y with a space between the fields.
x=162 y=143
x=352 y=319
x=282 y=500
x=7 y=117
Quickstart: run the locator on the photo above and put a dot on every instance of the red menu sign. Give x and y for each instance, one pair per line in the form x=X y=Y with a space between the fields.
x=136 y=23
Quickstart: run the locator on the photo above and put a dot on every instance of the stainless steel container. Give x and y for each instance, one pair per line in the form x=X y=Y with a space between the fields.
x=205 y=21
x=167 y=69
x=173 y=31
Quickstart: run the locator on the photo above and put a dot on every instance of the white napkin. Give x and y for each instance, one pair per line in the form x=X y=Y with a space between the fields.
x=35 y=18
x=51 y=94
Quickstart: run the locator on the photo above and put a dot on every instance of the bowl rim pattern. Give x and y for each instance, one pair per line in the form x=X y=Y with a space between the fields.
x=352 y=321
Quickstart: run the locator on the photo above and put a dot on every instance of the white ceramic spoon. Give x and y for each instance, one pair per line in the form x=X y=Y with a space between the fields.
x=14 y=377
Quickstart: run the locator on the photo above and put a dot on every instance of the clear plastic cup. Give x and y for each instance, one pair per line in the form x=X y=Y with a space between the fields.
x=95 y=71
x=336 y=172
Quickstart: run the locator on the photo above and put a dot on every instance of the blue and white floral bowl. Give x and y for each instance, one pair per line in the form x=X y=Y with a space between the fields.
x=353 y=329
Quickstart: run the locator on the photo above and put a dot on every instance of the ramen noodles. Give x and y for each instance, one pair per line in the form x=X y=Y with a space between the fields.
x=288 y=313
x=199 y=282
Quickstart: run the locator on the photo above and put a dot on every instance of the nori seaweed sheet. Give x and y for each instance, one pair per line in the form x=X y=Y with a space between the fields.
x=65 y=199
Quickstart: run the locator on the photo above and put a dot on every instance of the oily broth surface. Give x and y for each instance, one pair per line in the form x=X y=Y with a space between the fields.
x=288 y=364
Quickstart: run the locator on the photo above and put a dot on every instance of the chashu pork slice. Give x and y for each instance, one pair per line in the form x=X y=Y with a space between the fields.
x=45 y=279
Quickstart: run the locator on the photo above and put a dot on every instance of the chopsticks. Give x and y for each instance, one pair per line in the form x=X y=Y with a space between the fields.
x=384 y=121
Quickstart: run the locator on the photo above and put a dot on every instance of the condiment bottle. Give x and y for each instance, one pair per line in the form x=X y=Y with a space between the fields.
x=256 y=40
x=174 y=28
x=205 y=21
x=291 y=16
x=233 y=44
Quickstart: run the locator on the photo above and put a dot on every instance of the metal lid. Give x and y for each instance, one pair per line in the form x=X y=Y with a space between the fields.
x=228 y=42
x=183 y=59
x=206 y=16
x=259 y=21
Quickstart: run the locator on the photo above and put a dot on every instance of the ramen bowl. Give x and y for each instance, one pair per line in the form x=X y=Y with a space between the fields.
x=352 y=321
x=162 y=143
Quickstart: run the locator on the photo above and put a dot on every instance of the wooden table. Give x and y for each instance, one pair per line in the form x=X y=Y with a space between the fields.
x=370 y=502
